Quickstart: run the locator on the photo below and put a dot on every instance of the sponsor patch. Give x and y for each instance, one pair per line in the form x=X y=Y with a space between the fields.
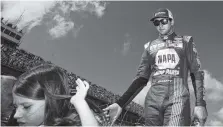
x=156 y=47
x=178 y=45
x=160 y=13
x=177 y=42
x=166 y=58
x=165 y=80
x=180 y=39
x=167 y=72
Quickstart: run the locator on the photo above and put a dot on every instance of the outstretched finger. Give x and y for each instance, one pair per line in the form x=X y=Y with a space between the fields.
x=79 y=82
x=86 y=84
x=106 y=109
x=105 y=112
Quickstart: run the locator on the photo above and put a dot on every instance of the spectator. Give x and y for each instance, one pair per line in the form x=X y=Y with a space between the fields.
x=41 y=97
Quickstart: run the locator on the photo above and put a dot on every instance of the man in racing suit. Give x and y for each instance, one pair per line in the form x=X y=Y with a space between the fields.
x=167 y=59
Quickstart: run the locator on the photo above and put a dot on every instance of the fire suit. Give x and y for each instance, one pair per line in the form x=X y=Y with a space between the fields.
x=168 y=60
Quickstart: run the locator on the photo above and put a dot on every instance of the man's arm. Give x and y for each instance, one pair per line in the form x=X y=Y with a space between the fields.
x=197 y=75
x=142 y=76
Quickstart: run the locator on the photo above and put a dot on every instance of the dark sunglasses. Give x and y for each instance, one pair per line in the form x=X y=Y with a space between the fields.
x=163 y=21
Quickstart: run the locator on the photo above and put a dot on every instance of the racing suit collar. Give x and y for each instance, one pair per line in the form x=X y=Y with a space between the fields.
x=169 y=36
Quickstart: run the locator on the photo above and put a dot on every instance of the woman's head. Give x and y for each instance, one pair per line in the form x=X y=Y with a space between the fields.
x=29 y=112
x=33 y=92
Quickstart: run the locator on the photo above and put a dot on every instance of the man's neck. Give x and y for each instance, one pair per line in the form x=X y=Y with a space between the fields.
x=166 y=36
x=169 y=33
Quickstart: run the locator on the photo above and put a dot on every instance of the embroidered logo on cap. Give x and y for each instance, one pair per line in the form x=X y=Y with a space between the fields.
x=160 y=13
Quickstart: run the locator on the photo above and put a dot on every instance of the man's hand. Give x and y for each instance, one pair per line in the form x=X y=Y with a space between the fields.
x=82 y=88
x=114 y=111
x=200 y=112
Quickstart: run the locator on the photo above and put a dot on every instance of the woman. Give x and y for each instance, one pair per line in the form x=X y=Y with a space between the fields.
x=41 y=97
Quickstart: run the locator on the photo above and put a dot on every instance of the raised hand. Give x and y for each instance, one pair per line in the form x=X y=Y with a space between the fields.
x=82 y=89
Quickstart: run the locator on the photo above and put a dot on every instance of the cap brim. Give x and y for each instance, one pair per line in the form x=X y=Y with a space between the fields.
x=158 y=17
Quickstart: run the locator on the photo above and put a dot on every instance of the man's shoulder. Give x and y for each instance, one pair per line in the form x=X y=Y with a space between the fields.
x=187 y=38
x=147 y=45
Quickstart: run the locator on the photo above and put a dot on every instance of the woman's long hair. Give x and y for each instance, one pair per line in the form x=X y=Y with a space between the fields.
x=47 y=82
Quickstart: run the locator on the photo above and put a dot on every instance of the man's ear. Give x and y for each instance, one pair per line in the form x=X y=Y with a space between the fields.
x=172 y=22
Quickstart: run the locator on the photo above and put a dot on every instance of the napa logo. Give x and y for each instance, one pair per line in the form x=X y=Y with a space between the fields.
x=166 y=58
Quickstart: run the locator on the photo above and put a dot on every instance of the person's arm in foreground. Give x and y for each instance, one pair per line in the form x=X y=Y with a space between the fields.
x=137 y=85
x=197 y=77
x=81 y=106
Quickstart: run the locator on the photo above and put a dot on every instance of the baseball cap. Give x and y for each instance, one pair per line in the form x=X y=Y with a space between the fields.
x=162 y=13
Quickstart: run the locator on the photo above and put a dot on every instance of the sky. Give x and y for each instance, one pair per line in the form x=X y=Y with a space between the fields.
x=103 y=41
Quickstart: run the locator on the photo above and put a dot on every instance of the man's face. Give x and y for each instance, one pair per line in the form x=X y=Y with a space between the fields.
x=29 y=112
x=164 y=26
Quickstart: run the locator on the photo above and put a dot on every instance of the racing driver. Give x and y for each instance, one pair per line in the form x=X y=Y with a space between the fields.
x=168 y=60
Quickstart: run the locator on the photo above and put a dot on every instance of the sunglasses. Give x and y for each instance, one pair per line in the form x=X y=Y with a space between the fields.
x=163 y=21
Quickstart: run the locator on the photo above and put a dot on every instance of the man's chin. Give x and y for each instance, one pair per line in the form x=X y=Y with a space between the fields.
x=163 y=32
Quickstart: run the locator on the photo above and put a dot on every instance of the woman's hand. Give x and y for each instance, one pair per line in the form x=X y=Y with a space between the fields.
x=81 y=106
x=82 y=89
